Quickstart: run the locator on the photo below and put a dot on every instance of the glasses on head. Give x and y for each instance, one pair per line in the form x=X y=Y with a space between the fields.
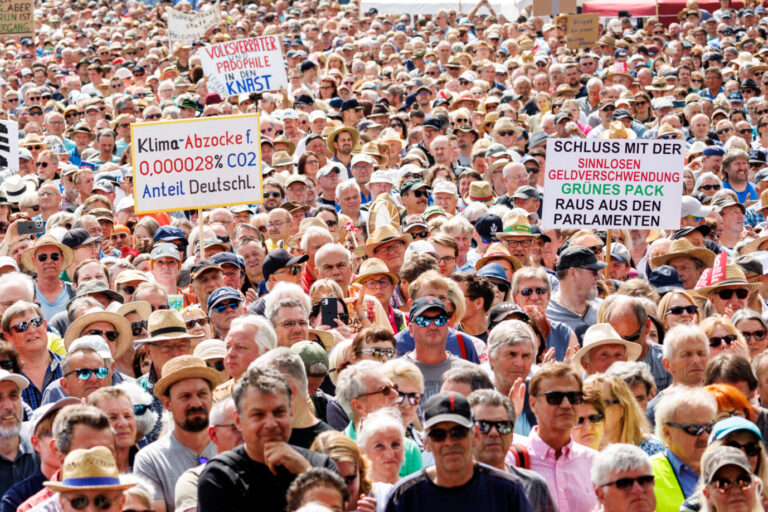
x=372 y=284
x=100 y=501
x=556 y=397
x=85 y=373
x=679 y=310
x=424 y=321
x=138 y=327
x=438 y=435
x=723 y=485
x=716 y=341
x=290 y=324
x=379 y=353
x=503 y=427
x=222 y=307
x=751 y=449
x=693 y=429
x=625 y=484
x=109 y=335
x=741 y=293
x=527 y=292
x=54 y=257
x=218 y=366
x=23 y=326
x=202 y=322
x=592 y=418
x=386 y=391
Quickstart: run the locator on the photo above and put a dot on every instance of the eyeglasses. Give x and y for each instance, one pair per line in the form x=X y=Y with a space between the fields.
x=527 y=292
x=757 y=335
x=592 y=418
x=390 y=248
x=679 y=310
x=372 y=284
x=222 y=307
x=556 y=397
x=503 y=427
x=414 y=398
x=716 y=341
x=518 y=243
x=457 y=433
x=137 y=327
x=741 y=293
x=294 y=270
x=625 y=484
x=219 y=367
x=723 y=485
x=109 y=335
x=711 y=187
x=693 y=429
x=54 y=257
x=81 y=502
x=424 y=321
x=85 y=373
x=275 y=225
x=752 y=449
x=379 y=353
x=290 y=324
x=386 y=391
x=7 y=365
x=23 y=326
x=202 y=322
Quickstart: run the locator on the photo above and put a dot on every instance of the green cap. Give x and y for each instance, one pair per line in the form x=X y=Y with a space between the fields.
x=314 y=357
x=412 y=185
x=434 y=210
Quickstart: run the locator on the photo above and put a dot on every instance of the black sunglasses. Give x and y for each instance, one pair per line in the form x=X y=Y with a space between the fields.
x=592 y=418
x=741 y=293
x=218 y=366
x=503 y=427
x=679 y=310
x=716 y=341
x=54 y=257
x=110 y=335
x=752 y=449
x=7 y=365
x=693 y=429
x=438 y=435
x=556 y=397
x=625 y=484
x=137 y=327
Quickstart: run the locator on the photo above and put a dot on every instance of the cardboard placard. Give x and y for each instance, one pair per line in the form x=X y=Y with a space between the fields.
x=613 y=183
x=191 y=26
x=242 y=66
x=583 y=30
x=16 y=18
x=553 y=7
x=196 y=163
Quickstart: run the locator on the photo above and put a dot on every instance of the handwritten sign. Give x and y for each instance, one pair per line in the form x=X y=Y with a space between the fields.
x=583 y=30
x=553 y=7
x=16 y=18
x=241 y=66
x=613 y=184
x=196 y=163
x=191 y=26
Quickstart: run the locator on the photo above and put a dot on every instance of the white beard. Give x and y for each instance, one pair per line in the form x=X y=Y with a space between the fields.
x=9 y=432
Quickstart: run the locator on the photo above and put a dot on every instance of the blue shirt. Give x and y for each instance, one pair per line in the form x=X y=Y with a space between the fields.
x=748 y=193
x=22 y=491
x=685 y=475
x=405 y=343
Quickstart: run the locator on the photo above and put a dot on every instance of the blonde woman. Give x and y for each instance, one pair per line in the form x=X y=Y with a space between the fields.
x=678 y=307
x=410 y=392
x=723 y=336
x=353 y=468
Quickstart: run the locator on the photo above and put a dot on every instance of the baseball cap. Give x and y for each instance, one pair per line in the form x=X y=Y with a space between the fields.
x=733 y=424
x=412 y=185
x=577 y=256
x=78 y=237
x=451 y=407
x=502 y=311
x=423 y=304
x=527 y=192
x=493 y=270
x=721 y=203
x=413 y=221
x=46 y=410
x=619 y=252
x=165 y=250
x=313 y=356
x=665 y=279
x=487 y=226
x=447 y=187
x=691 y=207
x=229 y=258
x=210 y=349
x=280 y=258
x=422 y=247
x=201 y=266
x=223 y=293
x=168 y=233
x=720 y=457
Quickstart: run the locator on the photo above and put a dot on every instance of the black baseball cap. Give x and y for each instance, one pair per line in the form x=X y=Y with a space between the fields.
x=452 y=407
x=680 y=233
x=487 y=226
x=576 y=256
x=78 y=237
x=351 y=104
x=503 y=311
x=423 y=304
x=280 y=258
x=665 y=279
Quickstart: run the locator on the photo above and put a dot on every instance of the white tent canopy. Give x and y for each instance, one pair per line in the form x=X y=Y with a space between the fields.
x=509 y=9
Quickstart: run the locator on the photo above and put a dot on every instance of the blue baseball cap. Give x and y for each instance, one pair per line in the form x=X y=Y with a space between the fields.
x=167 y=233
x=733 y=424
x=228 y=258
x=713 y=151
x=223 y=293
x=493 y=270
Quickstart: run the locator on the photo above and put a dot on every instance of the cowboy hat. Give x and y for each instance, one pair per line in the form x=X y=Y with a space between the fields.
x=93 y=469
x=382 y=235
x=604 y=334
x=185 y=367
x=335 y=133
x=734 y=276
x=167 y=324
x=667 y=130
x=120 y=323
x=67 y=254
x=374 y=267
x=282 y=158
x=497 y=251
x=659 y=83
x=282 y=139
x=683 y=248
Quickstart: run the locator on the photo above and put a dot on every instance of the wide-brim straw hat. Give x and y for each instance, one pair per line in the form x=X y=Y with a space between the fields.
x=374 y=267
x=324 y=337
x=140 y=307
x=335 y=133
x=119 y=322
x=383 y=235
x=497 y=251
x=185 y=367
x=167 y=324
x=27 y=258
x=93 y=469
x=604 y=334
x=683 y=248
x=734 y=276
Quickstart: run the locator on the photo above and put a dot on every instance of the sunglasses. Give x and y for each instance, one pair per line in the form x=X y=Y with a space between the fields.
x=137 y=327
x=506 y=133
x=140 y=409
x=377 y=352
x=85 y=373
x=23 y=326
x=592 y=418
x=7 y=365
x=109 y=335
x=710 y=187
x=54 y=257
x=128 y=289
x=532 y=170
x=386 y=391
x=693 y=429
x=424 y=321
x=413 y=398
x=202 y=322
x=438 y=435
x=752 y=449
x=757 y=335
x=679 y=310
x=556 y=397
x=420 y=234
x=716 y=341
x=153 y=116
x=723 y=485
x=503 y=427
x=101 y=502
x=218 y=366
x=741 y=293
x=272 y=194
x=234 y=304
x=527 y=292
x=625 y=484
x=294 y=270
x=420 y=193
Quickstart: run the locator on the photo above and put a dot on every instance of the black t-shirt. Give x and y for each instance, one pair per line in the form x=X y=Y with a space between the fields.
x=304 y=437
x=233 y=482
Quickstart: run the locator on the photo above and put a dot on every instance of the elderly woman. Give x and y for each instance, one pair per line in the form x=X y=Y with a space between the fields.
x=373 y=344
x=708 y=184
x=678 y=307
x=409 y=381
x=382 y=441
x=531 y=290
x=624 y=421
x=120 y=411
x=379 y=282
x=589 y=429
x=727 y=482
x=723 y=336
x=753 y=328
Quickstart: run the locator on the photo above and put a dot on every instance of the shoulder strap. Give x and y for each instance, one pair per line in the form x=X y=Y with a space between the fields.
x=233 y=459
x=462 y=348
x=522 y=456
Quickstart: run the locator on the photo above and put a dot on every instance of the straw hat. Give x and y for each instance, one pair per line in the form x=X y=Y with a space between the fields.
x=516 y=225
x=659 y=83
x=481 y=192
x=683 y=248
x=734 y=276
x=604 y=334
x=563 y=89
x=490 y=118
x=185 y=367
x=32 y=139
x=497 y=251
x=68 y=256
x=120 y=323
x=374 y=267
x=282 y=139
x=140 y=307
x=167 y=324
x=464 y=96
x=666 y=130
x=94 y=469
x=755 y=244
x=305 y=224
x=282 y=158
x=383 y=235
x=335 y=133
x=617 y=130
x=324 y=337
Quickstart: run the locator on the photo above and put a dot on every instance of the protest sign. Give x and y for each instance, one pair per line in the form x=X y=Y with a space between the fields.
x=191 y=26
x=196 y=163
x=9 y=145
x=613 y=184
x=241 y=66
x=583 y=30
x=16 y=18
x=553 y=7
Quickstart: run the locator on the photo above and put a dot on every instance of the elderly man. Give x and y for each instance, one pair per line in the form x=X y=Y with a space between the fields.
x=732 y=229
x=278 y=228
x=602 y=347
x=555 y=391
x=17 y=458
x=688 y=260
x=494 y=418
x=186 y=392
x=290 y=317
x=249 y=337
x=47 y=258
x=84 y=370
x=623 y=479
x=312 y=241
x=333 y=261
x=456 y=482
x=260 y=470
x=224 y=305
x=206 y=277
x=685 y=417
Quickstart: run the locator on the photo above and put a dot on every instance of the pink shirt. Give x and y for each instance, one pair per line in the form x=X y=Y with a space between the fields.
x=568 y=477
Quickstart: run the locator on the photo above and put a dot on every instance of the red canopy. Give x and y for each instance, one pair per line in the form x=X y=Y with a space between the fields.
x=667 y=9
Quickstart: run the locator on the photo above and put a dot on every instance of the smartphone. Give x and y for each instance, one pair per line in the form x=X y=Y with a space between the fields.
x=30 y=227
x=329 y=312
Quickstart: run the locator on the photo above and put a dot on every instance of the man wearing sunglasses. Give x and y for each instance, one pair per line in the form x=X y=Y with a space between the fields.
x=85 y=370
x=456 y=481
x=279 y=266
x=731 y=293
x=415 y=196
x=224 y=305
x=624 y=480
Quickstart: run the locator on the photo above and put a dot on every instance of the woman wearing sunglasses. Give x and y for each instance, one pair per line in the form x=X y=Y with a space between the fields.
x=723 y=336
x=374 y=344
x=753 y=328
x=708 y=184
x=409 y=382
x=678 y=307
x=590 y=427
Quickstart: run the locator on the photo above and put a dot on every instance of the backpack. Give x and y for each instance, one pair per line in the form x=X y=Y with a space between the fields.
x=522 y=457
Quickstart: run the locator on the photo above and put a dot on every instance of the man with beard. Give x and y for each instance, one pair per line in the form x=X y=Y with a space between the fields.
x=186 y=392
x=574 y=302
x=274 y=194
x=340 y=143
x=735 y=171
x=17 y=459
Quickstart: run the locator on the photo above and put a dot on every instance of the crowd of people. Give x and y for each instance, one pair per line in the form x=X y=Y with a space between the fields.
x=390 y=327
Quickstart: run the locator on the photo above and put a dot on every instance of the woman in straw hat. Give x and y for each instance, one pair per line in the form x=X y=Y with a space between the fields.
x=379 y=282
x=47 y=258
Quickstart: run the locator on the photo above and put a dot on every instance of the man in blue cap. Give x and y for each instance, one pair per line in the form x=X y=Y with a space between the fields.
x=233 y=268
x=712 y=160
x=224 y=305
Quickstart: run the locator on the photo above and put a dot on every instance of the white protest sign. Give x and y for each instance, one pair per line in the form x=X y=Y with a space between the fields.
x=196 y=163
x=191 y=26
x=9 y=145
x=241 y=66
x=613 y=184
